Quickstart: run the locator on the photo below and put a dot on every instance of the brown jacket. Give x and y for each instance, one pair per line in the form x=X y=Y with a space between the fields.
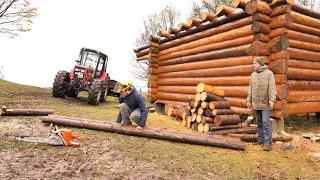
x=262 y=89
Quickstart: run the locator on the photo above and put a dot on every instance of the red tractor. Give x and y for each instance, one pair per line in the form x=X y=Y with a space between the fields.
x=89 y=74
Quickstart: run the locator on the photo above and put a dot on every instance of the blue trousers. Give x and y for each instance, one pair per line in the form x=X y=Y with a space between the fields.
x=264 y=126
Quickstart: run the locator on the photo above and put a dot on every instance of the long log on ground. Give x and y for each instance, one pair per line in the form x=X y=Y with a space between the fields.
x=243 y=70
x=219 y=104
x=284 y=20
x=218 y=54
x=303 y=54
x=304 y=96
x=25 y=112
x=303 y=107
x=283 y=9
x=201 y=87
x=306 y=10
x=217 y=63
x=208 y=97
x=236 y=15
x=303 y=64
x=278 y=43
x=303 y=74
x=278 y=32
x=259 y=48
x=213 y=127
x=149 y=132
x=279 y=66
x=295 y=85
x=261 y=18
x=304 y=29
x=174 y=96
x=226 y=120
x=305 y=20
x=175 y=113
x=247 y=130
x=208 y=47
x=239 y=4
x=254 y=137
x=180 y=103
x=259 y=27
x=304 y=45
x=215 y=112
x=256 y=6
x=206 y=33
x=303 y=37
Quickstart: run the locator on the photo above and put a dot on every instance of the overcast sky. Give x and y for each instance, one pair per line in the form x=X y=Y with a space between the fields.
x=63 y=27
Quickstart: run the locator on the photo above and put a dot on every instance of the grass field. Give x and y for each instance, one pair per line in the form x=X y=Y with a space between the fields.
x=104 y=155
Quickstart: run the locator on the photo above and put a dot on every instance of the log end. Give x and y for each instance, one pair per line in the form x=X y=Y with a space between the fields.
x=200 y=87
x=206 y=127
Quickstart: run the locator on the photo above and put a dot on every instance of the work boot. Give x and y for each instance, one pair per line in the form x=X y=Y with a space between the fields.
x=267 y=147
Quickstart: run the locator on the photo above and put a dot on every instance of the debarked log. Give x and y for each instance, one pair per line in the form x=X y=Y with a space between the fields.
x=306 y=10
x=212 y=127
x=303 y=74
x=305 y=29
x=298 y=85
x=257 y=6
x=226 y=120
x=261 y=37
x=303 y=107
x=278 y=32
x=239 y=4
x=223 y=10
x=178 y=89
x=246 y=130
x=284 y=20
x=243 y=70
x=259 y=27
x=179 y=103
x=305 y=20
x=304 y=45
x=201 y=87
x=218 y=54
x=259 y=48
x=303 y=37
x=303 y=64
x=216 y=112
x=279 y=55
x=195 y=22
x=174 y=96
x=279 y=66
x=25 y=112
x=301 y=54
x=142 y=53
x=278 y=43
x=148 y=132
x=175 y=113
x=274 y=113
x=283 y=9
x=304 y=96
x=242 y=102
x=207 y=48
x=261 y=18
x=208 y=97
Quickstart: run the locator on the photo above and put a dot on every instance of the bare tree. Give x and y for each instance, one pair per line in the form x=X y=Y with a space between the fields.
x=206 y=6
x=16 y=16
x=313 y=4
x=157 y=21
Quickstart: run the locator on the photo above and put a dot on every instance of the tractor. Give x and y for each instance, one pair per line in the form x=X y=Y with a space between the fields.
x=89 y=74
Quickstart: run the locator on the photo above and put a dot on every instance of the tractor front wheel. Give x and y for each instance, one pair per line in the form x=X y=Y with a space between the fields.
x=60 y=84
x=95 y=92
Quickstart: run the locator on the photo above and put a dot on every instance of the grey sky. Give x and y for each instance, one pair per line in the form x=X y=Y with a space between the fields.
x=65 y=26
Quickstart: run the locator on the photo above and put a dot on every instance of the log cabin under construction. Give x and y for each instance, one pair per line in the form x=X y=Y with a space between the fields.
x=219 y=48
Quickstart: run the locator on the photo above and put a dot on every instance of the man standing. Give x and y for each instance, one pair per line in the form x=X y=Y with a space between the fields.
x=132 y=105
x=261 y=98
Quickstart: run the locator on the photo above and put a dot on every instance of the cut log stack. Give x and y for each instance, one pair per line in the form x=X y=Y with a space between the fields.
x=219 y=48
x=209 y=112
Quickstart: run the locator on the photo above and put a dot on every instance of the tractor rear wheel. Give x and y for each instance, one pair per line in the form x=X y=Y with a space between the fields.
x=104 y=91
x=95 y=92
x=60 y=84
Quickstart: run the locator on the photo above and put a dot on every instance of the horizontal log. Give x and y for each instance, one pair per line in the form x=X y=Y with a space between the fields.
x=241 y=110
x=304 y=29
x=303 y=107
x=216 y=63
x=304 y=45
x=301 y=54
x=207 y=48
x=242 y=102
x=279 y=66
x=207 y=113
x=284 y=20
x=178 y=89
x=239 y=4
x=303 y=64
x=295 y=85
x=261 y=37
x=219 y=104
x=220 y=37
x=244 y=70
x=137 y=50
x=154 y=50
x=142 y=53
x=212 y=127
x=206 y=16
x=206 y=33
x=201 y=87
x=254 y=137
x=174 y=30
x=223 y=10
x=261 y=18
x=25 y=112
x=303 y=96
x=220 y=120
x=152 y=90
x=274 y=113
x=208 y=97
x=256 y=6
x=216 y=112
x=152 y=84
x=305 y=20
x=179 y=103
x=236 y=15
x=218 y=54
x=259 y=27
x=165 y=34
x=184 y=26
x=195 y=22
x=306 y=10
x=280 y=78
x=283 y=9
x=246 y=130
x=279 y=55
x=294 y=35
x=174 y=96
x=278 y=32
x=303 y=74
x=148 y=132
x=143 y=58
x=259 y=48
x=279 y=43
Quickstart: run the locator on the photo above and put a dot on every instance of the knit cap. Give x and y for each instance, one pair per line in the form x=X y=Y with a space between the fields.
x=259 y=60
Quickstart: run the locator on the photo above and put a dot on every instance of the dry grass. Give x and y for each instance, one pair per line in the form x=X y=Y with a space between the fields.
x=172 y=160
